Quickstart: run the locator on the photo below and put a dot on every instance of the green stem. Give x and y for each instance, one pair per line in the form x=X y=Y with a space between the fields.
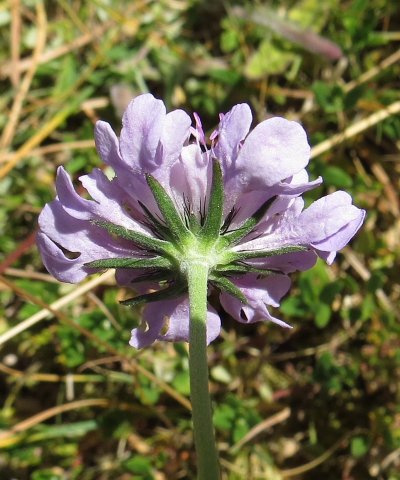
x=204 y=439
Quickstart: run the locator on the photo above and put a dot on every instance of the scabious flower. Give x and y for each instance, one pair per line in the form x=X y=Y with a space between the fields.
x=233 y=204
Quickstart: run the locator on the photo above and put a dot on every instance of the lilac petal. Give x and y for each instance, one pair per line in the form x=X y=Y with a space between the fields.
x=111 y=200
x=278 y=229
x=151 y=140
x=108 y=196
x=249 y=202
x=178 y=323
x=329 y=257
x=191 y=178
x=127 y=277
x=142 y=125
x=83 y=240
x=107 y=145
x=327 y=225
x=173 y=315
x=330 y=222
x=288 y=263
x=259 y=293
x=198 y=131
x=73 y=203
x=294 y=189
x=276 y=149
x=57 y=264
x=232 y=129
x=174 y=135
x=154 y=316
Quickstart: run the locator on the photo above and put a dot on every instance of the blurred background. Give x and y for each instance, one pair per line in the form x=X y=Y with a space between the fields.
x=318 y=401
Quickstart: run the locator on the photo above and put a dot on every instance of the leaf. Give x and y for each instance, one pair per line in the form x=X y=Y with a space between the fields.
x=337 y=177
x=323 y=313
x=359 y=446
x=268 y=59
x=221 y=374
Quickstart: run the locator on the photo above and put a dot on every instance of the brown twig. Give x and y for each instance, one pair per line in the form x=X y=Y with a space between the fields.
x=11 y=125
x=97 y=32
x=15 y=41
x=261 y=427
x=355 y=129
x=374 y=71
x=52 y=412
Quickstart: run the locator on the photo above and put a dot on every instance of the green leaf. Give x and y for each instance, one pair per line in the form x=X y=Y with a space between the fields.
x=181 y=382
x=221 y=374
x=213 y=221
x=337 y=177
x=168 y=210
x=329 y=97
x=234 y=237
x=323 y=313
x=224 y=417
x=268 y=59
x=157 y=262
x=149 y=243
x=139 y=465
x=359 y=447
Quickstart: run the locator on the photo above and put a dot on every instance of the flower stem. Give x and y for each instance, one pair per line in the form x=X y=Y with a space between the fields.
x=204 y=439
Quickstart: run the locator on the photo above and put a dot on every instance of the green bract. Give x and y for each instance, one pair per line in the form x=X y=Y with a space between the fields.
x=188 y=240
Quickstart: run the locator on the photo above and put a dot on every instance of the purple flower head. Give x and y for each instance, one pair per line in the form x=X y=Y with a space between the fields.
x=234 y=205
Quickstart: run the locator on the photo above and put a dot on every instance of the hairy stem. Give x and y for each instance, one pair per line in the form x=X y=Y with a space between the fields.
x=207 y=458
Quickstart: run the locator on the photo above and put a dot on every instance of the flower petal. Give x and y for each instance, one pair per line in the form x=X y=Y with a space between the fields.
x=84 y=242
x=328 y=224
x=288 y=263
x=109 y=199
x=142 y=125
x=174 y=135
x=107 y=145
x=174 y=316
x=232 y=129
x=191 y=179
x=276 y=149
x=259 y=293
x=57 y=264
x=331 y=222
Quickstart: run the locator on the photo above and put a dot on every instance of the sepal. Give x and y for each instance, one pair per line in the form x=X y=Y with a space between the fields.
x=227 y=286
x=242 y=268
x=167 y=293
x=239 y=256
x=213 y=221
x=176 y=227
x=156 y=262
x=143 y=241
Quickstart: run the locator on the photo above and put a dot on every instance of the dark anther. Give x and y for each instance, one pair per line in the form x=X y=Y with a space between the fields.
x=229 y=219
